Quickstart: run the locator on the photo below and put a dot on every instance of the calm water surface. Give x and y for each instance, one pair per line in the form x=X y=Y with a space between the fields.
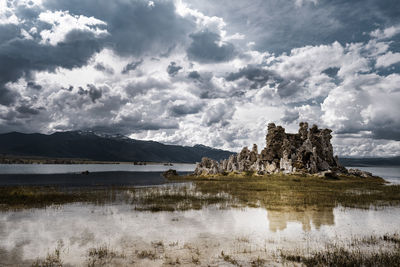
x=73 y=168
x=391 y=173
x=30 y=234
x=99 y=174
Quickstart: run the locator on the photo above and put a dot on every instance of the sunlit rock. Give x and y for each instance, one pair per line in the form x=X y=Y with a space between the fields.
x=309 y=151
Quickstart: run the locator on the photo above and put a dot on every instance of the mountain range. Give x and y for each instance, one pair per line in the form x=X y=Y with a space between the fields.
x=365 y=162
x=102 y=147
x=88 y=145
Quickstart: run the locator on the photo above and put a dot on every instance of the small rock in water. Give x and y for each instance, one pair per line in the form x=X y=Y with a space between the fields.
x=170 y=173
x=360 y=173
x=85 y=172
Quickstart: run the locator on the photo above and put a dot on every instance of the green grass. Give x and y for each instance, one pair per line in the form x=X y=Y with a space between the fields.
x=277 y=192
x=21 y=197
x=273 y=192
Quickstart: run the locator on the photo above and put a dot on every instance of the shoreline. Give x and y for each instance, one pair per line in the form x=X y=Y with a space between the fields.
x=8 y=160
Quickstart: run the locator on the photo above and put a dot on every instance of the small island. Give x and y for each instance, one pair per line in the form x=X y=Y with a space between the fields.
x=307 y=152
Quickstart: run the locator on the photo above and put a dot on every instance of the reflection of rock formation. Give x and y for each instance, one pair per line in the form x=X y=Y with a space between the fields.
x=308 y=151
x=278 y=220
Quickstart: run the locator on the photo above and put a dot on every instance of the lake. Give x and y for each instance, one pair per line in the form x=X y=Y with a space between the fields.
x=99 y=174
x=117 y=174
x=389 y=173
x=118 y=234
x=77 y=168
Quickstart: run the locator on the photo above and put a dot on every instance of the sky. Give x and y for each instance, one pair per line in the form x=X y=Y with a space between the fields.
x=204 y=72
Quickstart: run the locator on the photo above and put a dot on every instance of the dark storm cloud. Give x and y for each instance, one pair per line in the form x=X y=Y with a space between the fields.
x=205 y=48
x=279 y=26
x=93 y=92
x=290 y=116
x=383 y=129
x=257 y=75
x=194 y=75
x=18 y=57
x=27 y=110
x=34 y=85
x=134 y=27
x=102 y=67
x=386 y=129
x=173 y=69
x=132 y=66
x=7 y=97
x=183 y=110
x=27 y=12
x=129 y=125
x=8 y=32
x=331 y=72
x=205 y=87
x=287 y=88
x=389 y=132
x=69 y=88
x=218 y=114
x=141 y=87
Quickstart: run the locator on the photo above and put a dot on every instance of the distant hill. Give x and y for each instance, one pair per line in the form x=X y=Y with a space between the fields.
x=101 y=147
x=393 y=161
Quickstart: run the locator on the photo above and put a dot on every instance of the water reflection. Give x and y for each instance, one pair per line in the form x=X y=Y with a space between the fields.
x=309 y=217
x=28 y=234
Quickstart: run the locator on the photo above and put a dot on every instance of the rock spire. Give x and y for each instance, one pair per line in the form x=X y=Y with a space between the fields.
x=308 y=151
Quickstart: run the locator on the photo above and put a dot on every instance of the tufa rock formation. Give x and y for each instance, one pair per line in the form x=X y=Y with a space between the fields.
x=308 y=151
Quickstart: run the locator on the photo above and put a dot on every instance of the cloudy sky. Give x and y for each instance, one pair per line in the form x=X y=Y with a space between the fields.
x=204 y=72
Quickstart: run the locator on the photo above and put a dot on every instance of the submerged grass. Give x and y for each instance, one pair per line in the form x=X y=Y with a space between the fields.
x=21 y=197
x=174 y=199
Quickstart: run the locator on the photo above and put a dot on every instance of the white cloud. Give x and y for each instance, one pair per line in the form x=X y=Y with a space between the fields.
x=386 y=33
x=63 y=22
x=300 y=3
x=332 y=84
x=366 y=147
x=7 y=15
x=387 y=59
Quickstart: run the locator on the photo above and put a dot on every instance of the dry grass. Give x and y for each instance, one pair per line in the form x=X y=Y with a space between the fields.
x=385 y=251
x=147 y=254
x=101 y=256
x=228 y=258
x=53 y=259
